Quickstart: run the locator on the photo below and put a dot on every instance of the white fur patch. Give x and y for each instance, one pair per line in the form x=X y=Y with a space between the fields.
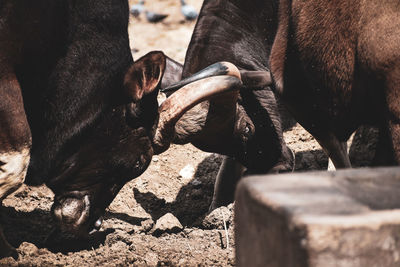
x=13 y=167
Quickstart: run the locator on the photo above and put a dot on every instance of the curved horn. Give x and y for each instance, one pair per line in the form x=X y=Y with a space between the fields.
x=187 y=97
x=219 y=68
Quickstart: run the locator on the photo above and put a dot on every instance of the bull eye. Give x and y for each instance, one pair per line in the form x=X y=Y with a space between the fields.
x=246 y=133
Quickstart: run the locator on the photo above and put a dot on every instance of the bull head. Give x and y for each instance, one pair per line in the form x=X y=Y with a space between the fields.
x=125 y=138
x=243 y=125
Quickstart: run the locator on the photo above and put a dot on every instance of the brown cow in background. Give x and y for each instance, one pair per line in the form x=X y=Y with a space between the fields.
x=336 y=65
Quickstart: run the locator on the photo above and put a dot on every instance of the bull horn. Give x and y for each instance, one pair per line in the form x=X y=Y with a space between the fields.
x=219 y=68
x=172 y=109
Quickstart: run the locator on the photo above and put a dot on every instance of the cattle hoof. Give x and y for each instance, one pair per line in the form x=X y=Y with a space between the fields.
x=283 y=167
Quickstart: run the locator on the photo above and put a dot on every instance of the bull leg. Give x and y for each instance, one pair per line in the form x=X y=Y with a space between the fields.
x=229 y=174
x=393 y=117
x=336 y=151
x=286 y=163
x=384 y=155
x=15 y=142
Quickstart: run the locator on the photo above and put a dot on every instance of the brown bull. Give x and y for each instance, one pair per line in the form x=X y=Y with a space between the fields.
x=336 y=64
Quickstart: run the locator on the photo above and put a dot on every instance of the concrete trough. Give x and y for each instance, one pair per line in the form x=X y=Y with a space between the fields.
x=325 y=219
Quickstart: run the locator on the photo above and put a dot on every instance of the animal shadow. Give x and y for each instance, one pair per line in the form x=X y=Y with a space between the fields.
x=192 y=202
x=20 y=226
x=37 y=227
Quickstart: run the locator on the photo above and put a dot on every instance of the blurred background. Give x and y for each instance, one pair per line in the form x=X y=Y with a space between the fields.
x=171 y=35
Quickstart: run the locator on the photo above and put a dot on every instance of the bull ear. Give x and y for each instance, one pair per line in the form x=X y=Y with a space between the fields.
x=172 y=74
x=145 y=75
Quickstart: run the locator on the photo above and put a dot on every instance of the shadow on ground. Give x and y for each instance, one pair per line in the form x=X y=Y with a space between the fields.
x=37 y=227
x=192 y=202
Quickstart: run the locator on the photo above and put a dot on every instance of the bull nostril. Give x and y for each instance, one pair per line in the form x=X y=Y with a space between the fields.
x=71 y=210
x=57 y=213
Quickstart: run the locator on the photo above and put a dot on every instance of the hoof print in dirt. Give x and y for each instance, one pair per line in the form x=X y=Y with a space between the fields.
x=167 y=224
x=218 y=218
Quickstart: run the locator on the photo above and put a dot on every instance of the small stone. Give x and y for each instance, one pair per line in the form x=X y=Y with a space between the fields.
x=147 y=224
x=187 y=231
x=187 y=173
x=196 y=233
x=28 y=249
x=118 y=246
x=215 y=220
x=167 y=224
x=155 y=159
x=196 y=183
x=151 y=259
x=118 y=236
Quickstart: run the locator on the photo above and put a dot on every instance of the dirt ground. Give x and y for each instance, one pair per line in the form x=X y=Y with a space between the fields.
x=179 y=181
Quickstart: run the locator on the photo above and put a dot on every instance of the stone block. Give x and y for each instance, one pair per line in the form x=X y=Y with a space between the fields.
x=346 y=218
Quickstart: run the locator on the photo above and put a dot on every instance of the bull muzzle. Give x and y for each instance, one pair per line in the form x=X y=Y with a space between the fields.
x=72 y=216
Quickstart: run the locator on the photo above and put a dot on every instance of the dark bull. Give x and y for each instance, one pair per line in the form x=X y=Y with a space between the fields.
x=76 y=113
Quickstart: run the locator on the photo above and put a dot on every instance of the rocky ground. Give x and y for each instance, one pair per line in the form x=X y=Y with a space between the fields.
x=160 y=218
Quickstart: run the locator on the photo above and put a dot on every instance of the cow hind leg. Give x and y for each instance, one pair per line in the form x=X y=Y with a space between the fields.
x=228 y=175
